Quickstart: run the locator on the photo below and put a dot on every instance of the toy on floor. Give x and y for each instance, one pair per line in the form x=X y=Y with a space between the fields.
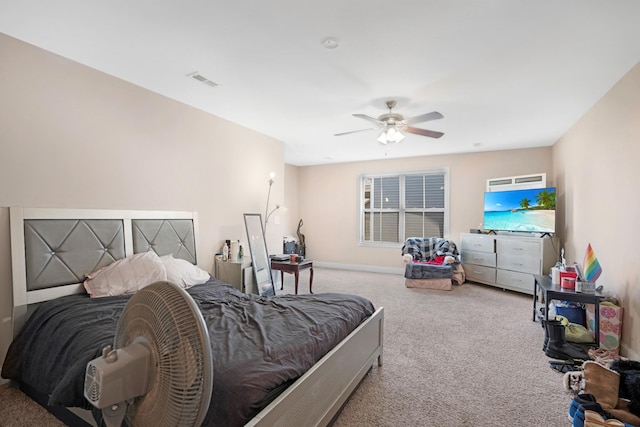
x=573 y=381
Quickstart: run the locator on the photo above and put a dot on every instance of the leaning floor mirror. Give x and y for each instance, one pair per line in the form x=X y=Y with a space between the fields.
x=263 y=280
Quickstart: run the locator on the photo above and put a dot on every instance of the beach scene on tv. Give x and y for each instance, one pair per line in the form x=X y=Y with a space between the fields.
x=531 y=210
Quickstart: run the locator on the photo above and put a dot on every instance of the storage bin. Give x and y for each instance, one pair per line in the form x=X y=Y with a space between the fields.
x=572 y=311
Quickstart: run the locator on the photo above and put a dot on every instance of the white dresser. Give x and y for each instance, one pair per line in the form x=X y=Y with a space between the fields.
x=507 y=262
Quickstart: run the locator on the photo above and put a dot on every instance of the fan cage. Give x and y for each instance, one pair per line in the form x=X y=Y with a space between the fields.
x=180 y=388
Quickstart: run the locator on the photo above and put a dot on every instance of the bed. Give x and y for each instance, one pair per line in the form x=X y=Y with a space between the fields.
x=302 y=375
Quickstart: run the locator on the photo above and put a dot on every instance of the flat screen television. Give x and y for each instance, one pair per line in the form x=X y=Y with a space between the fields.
x=532 y=210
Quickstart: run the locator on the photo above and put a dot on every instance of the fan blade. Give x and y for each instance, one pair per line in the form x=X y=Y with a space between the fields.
x=424 y=132
x=434 y=115
x=371 y=119
x=352 y=131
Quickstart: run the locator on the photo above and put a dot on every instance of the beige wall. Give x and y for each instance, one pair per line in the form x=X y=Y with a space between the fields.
x=291 y=191
x=597 y=170
x=72 y=137
x=328 y=199
x=594 y=166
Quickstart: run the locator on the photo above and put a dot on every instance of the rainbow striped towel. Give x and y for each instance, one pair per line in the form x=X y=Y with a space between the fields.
x=591 y=266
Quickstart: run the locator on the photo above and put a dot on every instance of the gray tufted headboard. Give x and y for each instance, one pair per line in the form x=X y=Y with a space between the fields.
x=165 y=236
x=53 y=249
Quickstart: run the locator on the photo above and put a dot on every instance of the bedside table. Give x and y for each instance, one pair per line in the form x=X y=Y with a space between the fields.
x=236 y=273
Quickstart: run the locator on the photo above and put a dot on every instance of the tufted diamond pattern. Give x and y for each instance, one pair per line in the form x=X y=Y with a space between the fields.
x=52 y=257
x=164 y=237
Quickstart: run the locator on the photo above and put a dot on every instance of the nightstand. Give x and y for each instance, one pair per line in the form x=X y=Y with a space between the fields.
x=236 y=273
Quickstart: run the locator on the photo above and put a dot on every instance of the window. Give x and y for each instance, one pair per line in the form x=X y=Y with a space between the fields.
x=395 y=207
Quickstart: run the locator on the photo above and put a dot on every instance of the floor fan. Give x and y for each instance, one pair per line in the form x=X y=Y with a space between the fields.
x=159 y=371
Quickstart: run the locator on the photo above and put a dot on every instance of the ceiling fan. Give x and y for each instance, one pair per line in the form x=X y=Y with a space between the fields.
x=394 y=125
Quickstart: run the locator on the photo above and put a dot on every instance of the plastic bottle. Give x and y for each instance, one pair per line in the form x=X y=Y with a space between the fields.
x=552 y=310
x=233 y=251
x=225 y=252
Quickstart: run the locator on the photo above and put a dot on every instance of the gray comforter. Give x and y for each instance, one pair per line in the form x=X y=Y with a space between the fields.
x=260 y=344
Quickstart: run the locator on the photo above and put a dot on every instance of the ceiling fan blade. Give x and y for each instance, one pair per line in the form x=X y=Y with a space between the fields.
x=424 y=132
x=434 y=115
x=371 y=119
x=353 y=131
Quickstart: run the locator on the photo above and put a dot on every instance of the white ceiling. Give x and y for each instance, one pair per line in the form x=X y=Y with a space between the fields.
x=504 y=73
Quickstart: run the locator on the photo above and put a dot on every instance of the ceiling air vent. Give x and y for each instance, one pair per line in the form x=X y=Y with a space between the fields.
x=202 y=79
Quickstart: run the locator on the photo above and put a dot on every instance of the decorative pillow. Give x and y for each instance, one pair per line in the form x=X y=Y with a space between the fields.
x=126 y=276
x=183 y=273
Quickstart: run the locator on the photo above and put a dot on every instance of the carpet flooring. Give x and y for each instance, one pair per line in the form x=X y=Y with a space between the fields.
x=471 y=356
x=17 y=410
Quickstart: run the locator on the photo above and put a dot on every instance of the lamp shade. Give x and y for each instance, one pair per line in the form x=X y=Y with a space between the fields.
x=390 y=134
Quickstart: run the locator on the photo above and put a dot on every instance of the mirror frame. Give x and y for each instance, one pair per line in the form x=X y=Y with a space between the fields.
x=260 y=261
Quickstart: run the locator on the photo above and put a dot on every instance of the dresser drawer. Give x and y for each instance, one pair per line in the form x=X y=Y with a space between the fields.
x=487 y=259
x=515 y=281
x=477 y=242
x=520 y=263
x=518 y=247
x=479 y=273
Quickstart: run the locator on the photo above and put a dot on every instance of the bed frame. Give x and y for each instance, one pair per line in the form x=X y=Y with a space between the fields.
x=52 y=250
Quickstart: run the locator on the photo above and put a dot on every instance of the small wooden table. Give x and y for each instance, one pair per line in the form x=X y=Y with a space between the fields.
x=551 y=292
x=294 y=268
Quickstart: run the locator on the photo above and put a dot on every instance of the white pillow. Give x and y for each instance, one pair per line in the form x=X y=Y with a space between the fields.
x=126 y=276
x=182 y=272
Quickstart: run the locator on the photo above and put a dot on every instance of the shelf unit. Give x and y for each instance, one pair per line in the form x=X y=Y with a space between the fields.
x=507 y=262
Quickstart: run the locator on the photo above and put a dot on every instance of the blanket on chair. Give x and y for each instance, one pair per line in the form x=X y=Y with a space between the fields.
x=429 y=248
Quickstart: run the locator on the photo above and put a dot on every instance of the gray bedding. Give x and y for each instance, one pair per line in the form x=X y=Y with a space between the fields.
x=260 y=344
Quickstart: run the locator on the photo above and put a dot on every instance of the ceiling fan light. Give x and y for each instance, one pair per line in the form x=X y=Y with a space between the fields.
x=393 y=135
x=382 y=139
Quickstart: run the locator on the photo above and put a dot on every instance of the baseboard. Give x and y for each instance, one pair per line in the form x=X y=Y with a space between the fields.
x=358 y=267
